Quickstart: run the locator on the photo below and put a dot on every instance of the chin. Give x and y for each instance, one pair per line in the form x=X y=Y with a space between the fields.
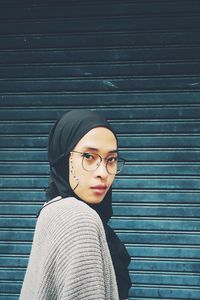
x=91 y=197
x=94 y=200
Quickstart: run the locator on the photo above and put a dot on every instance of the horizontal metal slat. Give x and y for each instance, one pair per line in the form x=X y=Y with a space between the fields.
x=165 y=266
x=148 y=196
x=151 y=238
x=119 y=196
x=149 y=251
x=144 y=298
x=142 y=169
x=24 y=248
x=165 y=279
x=157 y=183
x=25 y=155
x=101 y=40
x=22 y=196
x=186 y=252
x=99 y=70
x=155 y=54
x=157 y=211
x=13 y=261
x=15 y=248
x=16 y=235
x=125 y=210
x=134 y=127
x=142 y=127
x=152 y=278
x=95 y=9
x=11 y=297
x=97 y=85
x=156 y=155
x=153 y=291
x=86 y=100
x=11 y=275
x=138 y=291
x=161 y=141
x=24 y=221
x=167 y=210
x=162 y=155
x=19 y=209
x=125 y=183
x=156 y=225
x=121 y=23
x=24 y=168
x=128 y=141
x=160 y=239
x=11 y=287
x=180 y=113
x=137 y=265
x=165 y=292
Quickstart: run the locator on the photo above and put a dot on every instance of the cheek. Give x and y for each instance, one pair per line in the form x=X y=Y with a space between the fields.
x=110 y=180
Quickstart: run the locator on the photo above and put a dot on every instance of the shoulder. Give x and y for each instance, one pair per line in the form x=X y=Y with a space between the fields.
x=67 y=206
x=67 y=212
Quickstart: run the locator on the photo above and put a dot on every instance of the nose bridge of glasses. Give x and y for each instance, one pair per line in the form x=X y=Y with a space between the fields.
x=99 y=164
x=100 y=159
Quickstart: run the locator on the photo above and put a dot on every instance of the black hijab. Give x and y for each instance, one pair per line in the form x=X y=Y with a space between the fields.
x=63 y=137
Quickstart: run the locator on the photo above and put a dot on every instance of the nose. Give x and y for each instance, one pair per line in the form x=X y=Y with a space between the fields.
x=101 y=171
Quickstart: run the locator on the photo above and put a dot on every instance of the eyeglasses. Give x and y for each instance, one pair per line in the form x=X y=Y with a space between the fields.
x=91 y=161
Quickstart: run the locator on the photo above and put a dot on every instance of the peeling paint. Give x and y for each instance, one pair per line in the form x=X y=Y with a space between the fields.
x=195 y=83
x=109 y=83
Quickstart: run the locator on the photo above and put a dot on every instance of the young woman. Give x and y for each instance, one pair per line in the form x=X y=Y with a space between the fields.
x=75 y=254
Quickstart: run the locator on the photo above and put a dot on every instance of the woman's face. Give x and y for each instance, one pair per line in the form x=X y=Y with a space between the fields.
x=92 y=186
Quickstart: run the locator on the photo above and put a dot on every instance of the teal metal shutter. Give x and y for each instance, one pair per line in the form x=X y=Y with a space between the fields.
x=138 y=63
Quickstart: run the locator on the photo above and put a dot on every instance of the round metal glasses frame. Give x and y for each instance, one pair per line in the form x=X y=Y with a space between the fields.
x=119 y=162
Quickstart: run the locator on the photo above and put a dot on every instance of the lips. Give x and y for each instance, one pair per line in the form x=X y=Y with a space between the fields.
x=99 y=189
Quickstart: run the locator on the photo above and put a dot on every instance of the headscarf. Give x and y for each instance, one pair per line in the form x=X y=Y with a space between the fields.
x=63 y=137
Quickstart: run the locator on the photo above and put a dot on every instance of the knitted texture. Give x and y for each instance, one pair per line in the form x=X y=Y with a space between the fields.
x=70 y=259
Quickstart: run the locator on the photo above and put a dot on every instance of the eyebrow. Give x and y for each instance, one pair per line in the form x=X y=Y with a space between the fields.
x=96 y=149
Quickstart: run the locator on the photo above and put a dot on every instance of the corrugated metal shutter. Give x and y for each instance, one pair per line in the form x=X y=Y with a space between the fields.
x=137 y=62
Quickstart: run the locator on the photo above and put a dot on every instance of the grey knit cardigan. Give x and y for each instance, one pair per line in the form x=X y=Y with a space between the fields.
x=70 y=259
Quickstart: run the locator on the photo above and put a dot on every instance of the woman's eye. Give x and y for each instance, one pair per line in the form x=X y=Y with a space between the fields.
x=88 y=156
x=112 y=160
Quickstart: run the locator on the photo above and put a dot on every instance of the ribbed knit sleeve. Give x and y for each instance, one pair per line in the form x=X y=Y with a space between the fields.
x=70 y=259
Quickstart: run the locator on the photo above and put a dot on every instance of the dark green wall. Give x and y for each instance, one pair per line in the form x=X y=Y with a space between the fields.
x=137 y=62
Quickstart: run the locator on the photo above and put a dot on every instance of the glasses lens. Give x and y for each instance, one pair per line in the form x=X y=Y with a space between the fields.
x=91 y=161
x=115 y=166
x=120 y=165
